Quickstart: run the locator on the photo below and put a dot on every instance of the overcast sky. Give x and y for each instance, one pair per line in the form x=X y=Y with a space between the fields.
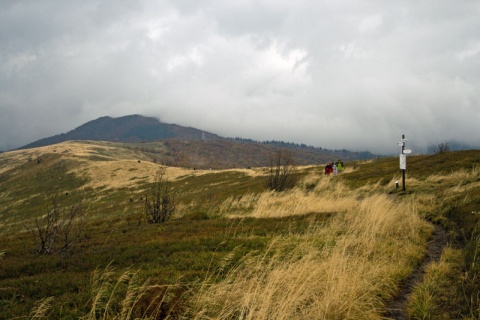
x=334 y=74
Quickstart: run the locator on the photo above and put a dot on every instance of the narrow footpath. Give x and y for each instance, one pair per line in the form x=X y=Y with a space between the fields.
x=397 y=307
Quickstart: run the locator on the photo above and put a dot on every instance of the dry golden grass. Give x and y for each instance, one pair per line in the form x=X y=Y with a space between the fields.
x=116 y=174
x=127 y=173
x=68 y=149
x=328 y=195
x=462 y=178
x=120 y=167
x=374 y=241
x=341 y=270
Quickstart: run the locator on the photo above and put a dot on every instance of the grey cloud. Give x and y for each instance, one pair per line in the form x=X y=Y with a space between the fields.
x=336 y=74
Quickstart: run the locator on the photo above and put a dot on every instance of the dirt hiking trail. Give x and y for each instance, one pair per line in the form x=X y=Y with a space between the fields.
x=397 y=307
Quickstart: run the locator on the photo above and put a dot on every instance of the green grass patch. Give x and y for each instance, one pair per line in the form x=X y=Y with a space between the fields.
x=177 y=249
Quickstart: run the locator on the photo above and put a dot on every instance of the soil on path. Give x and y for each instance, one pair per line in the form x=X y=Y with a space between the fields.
x=397 y=307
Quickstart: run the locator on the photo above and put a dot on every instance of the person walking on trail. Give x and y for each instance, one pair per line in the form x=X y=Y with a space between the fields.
x=340 y=166
x=328 y=168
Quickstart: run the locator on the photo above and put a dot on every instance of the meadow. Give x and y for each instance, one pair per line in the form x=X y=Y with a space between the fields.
x=332 y=247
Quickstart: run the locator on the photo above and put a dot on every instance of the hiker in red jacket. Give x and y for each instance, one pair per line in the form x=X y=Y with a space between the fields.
x=328 y=168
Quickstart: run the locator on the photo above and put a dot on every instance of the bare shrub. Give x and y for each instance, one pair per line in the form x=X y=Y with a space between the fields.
x=159 y=207
x=58 y=229
x=442 y=147
x=281 y=172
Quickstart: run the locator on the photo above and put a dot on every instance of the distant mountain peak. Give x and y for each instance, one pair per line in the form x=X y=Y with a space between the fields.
x=130 y=128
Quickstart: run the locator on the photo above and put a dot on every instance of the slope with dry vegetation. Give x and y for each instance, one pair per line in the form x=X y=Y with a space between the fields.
x=333 y=247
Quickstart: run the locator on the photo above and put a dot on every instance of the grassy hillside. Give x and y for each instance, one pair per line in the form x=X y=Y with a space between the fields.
x=333 y=247
x=178 y=146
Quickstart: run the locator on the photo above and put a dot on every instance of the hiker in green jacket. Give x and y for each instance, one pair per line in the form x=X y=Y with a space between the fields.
x=340 y=166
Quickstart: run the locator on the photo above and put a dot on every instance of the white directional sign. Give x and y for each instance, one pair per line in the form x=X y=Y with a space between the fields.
x=403 y=162
x=407 y=151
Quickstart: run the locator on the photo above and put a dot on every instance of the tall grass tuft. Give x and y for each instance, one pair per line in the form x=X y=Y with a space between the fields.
x=126 y=297
x=41 y=309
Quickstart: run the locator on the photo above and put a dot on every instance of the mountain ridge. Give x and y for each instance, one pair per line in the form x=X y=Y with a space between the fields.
x=191 y=147
x=131 y=128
